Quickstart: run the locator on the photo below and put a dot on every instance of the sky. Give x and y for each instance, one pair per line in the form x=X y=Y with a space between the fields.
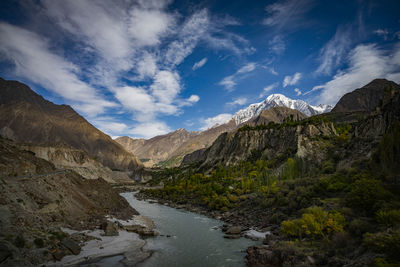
x=147 y=67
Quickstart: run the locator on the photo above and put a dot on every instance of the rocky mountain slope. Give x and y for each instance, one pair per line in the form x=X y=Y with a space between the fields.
x=64 y=157
x=276 y=115
x=367 y=98
x=168 y=150
x=156 y=149
x=36 y=199
x=27 y=117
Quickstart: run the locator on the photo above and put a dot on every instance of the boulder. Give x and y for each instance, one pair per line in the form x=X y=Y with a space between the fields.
x=141 y=230
x=234 y=230
x=71 y=245
x=110 y=229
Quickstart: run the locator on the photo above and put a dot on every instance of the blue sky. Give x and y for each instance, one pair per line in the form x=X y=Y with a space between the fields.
x=146 y=67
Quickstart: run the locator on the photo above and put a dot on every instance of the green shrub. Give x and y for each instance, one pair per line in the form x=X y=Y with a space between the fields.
x=316 y=223
x=388 y=218
x=384 y=242
x=365 y=194
x=358 y=227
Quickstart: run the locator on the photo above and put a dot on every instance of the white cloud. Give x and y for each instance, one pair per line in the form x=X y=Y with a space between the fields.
x=247 y=68
x=199 y=64
x=214 y=121
x=146 y=66
x=267 y=89
x=292 y=80
x=230 y=81
x=193 y=99
x=97 y=24
x=298 y=91
x=147 y=26
x=166 y=86
x=366 y=62
x=109 y=126
x=138 y=100
x=382 y=32
x=191 y=32
x=333 y=52
x=34 y=61
x=287 y=14
x=277 y=45
x=150 y=129
x=240 y=101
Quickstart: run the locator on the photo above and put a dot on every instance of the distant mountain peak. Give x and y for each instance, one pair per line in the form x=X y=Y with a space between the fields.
x=278 y=100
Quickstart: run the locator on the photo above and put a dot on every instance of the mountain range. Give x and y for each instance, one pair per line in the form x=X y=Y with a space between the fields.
x=168 y=150
x=279 y=100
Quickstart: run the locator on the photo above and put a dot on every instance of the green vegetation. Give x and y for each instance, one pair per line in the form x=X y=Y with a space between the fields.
x=316 y=223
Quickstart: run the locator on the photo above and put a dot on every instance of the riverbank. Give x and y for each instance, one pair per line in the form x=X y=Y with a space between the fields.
x=187 y=238
x=255 y=218
x=128 y=244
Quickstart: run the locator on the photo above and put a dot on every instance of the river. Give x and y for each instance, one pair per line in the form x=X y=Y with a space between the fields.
x=195 y=240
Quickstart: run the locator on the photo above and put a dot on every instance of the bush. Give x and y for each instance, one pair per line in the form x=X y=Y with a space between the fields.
x=359 y=227
x=365 y=194
x=316 y=223
x=388 y=218
x=384 y=242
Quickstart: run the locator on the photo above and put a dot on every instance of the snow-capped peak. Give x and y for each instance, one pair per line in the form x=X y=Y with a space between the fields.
x=278 y=100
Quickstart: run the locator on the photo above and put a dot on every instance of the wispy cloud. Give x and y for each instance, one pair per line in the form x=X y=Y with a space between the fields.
x=229 y=82
x=382 y=32
x=240 y=101
x=199 y=64
x=214 y=121
x=366 y=62
x=292 y=80
x=289 y=14
x=277 y=45
x=150 y=129
x=298 y=91
x=267 y=89
x=333 y=52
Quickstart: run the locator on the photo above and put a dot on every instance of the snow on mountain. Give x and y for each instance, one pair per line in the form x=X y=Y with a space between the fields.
x=280 y=100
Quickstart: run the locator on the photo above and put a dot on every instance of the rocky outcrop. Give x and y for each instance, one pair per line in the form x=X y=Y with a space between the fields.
x=368 y=97
x=302 y=140
x=276 y=115
x=27 y=117
x=64 y=157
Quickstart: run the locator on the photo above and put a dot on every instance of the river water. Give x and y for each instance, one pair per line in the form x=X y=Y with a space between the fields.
x=195 y=240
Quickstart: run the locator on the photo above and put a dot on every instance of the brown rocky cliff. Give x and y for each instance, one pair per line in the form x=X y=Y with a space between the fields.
x=27 y=117
x=234 y=147
x=366 y=98
x=276 y=115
